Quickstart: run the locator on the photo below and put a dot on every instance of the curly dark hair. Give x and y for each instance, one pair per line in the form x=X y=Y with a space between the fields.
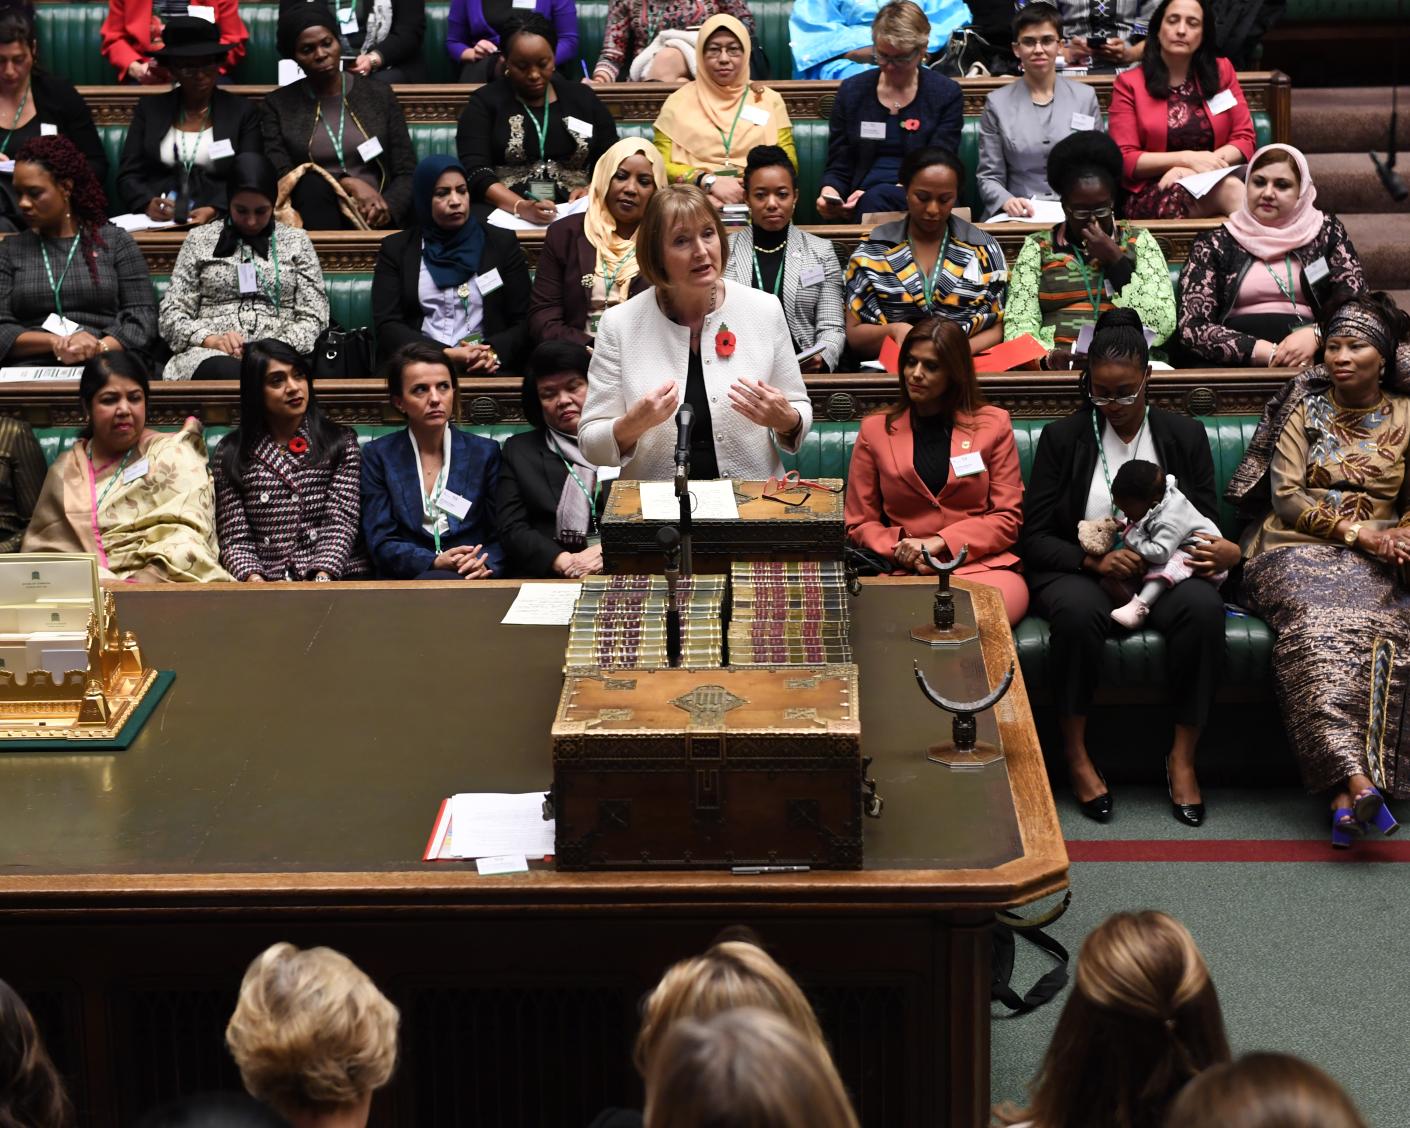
x=530 y=23
x=61 y=159
x=1085 y=155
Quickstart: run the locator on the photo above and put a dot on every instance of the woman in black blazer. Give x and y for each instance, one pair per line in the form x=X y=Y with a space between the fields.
x=550 y=497
x=450 y=280
x=35 y=103
x=1077 y=459
x=385 y=42
x=154 y=178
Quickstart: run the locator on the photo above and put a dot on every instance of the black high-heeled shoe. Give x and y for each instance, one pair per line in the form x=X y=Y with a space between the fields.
x=1098 y=809
x=1191 y=814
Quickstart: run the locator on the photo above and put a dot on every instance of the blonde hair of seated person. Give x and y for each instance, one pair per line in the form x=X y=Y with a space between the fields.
x=312 y=1035
x=748 y=1068
x=902 y=24
x=730 y=974
x=1142 y=1020
x=1264 y=1090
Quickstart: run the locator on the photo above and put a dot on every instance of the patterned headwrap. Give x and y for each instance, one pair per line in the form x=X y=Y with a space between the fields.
x=1365 y=322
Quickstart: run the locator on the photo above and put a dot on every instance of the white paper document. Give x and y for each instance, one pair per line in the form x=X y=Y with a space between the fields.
x=1202 y=183
x=508 y=220
x=1046 y=212
x=136 y=221
x=709 y=501
x=492 y=824
x=543 y=605
x=21 y=372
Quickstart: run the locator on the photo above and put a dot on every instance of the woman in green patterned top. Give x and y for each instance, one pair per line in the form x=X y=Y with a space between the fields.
x=1065 y=278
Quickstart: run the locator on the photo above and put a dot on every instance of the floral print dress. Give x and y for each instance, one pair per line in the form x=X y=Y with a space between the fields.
x=1187 y=127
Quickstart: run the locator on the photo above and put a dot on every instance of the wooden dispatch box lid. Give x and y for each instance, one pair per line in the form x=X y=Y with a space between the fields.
x=797 y=700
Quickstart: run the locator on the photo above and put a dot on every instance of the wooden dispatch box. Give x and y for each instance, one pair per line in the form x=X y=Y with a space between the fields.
x=766 y=530
x=709 y=768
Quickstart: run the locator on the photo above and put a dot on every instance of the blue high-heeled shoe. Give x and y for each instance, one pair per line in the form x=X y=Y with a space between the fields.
x=1346 y=828
x=1370 y=809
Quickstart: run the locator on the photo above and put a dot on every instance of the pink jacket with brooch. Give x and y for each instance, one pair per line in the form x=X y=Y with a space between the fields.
x=886 y=499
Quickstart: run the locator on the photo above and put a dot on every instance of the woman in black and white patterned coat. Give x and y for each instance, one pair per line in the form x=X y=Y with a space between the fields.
x=288 y=479
x=241 y=279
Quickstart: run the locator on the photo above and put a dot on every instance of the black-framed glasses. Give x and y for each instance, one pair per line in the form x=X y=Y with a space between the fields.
x=1084 y=215
x=1032 y=42
x=883 y=60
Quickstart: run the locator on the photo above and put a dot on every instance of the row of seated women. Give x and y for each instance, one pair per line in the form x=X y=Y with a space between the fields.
x=1251 y=291
x=530 y=138
x=728 y=1037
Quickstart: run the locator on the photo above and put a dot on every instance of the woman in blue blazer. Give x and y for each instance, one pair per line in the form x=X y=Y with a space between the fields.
x=428 y=491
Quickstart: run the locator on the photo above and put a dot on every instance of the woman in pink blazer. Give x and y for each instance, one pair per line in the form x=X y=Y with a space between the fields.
x=939 y=469
x=1180 y=112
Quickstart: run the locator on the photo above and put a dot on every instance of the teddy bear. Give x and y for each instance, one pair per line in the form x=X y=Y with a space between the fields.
x=1098 y=537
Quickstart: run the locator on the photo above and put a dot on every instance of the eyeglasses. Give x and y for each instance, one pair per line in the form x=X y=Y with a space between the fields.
x=192 y=66
x=1047 y=42
x=905 y=60
x=1124 y=401
x=1087 y=215
x=732 y=50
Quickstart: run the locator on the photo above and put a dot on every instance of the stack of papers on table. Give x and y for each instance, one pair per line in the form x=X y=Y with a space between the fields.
x=511 y=222
x=1045 y=212
x=491 y=824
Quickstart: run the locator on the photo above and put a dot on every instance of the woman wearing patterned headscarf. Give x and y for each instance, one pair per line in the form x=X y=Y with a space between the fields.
x=1324 y=484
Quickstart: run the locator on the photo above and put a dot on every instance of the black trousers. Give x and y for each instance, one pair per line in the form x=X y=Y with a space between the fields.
x=317 y=204
x=1190 y=616
x=217 y=368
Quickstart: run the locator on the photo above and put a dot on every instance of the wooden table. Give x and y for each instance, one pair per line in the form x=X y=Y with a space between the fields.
x=285 y=787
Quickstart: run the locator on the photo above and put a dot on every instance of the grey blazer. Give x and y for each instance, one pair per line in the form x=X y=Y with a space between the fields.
x=1015 y=138
x=814 y=312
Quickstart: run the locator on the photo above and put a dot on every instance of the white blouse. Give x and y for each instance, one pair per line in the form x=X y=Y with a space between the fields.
x=1118 y=453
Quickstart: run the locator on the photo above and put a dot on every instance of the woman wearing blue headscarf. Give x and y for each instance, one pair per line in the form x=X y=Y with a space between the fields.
x=450 y=281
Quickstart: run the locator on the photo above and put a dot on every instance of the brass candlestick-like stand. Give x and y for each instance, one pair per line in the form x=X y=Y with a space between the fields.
x=941 y=631
x=964 y=749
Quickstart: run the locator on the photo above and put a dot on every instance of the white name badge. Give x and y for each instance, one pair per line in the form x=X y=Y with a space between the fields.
x=525 y=5
x=490 y=281
x=348 y=26
x=1222 y=102
x=966 y=464
x=873 y=131
x=1083 y=344
x=221 y=149
x=289 y=72
x=578 y=126
x=201 y=12
x=249 y=280
x=48 y=129
x=7 y=166
x=61 y=326
x=1081 y=123
x=812 y=276
x=758 y=115
x=972 y=273
x=137 y=470
x=452 y=503
x=1315 y=271
x=370 y=149
x=608 y=474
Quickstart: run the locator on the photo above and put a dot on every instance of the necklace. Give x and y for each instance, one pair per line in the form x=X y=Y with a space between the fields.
x=770 y=250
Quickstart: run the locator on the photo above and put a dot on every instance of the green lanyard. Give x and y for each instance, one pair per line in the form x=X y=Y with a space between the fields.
x=1094 y=293
x=610 y=280
x=14 y=125
x=729 y=141
x=759 y=276
x=113 y=481
x=49 y=270
x=248 y=255
x=1101 y=449
x=540 y=128
x=337 y=138
x=929 y=282
x=188 y=160
x=1288 y=290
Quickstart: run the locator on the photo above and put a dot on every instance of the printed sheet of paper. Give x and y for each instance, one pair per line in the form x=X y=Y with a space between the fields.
x=543 y=605
x=1045 y=212
x=1202 y=183
x=501 y=218
x=492 y=824
x=710 y=501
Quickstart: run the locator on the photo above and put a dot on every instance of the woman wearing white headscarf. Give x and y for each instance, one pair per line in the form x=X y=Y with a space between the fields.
x=1253 y=289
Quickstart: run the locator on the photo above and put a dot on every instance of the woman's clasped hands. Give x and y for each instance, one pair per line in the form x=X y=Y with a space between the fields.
x=468 y=560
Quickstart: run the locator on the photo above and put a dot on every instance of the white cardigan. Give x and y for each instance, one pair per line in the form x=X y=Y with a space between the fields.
x=638 y=348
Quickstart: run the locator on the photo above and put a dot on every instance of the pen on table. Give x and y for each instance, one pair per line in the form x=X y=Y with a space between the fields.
x=583 y=63
x=750 y=870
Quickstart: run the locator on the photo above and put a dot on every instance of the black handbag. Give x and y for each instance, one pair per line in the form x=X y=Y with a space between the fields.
x=343 y=354
x=1006 y=927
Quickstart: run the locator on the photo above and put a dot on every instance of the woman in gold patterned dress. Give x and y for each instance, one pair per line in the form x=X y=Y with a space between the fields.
x=1329 y=459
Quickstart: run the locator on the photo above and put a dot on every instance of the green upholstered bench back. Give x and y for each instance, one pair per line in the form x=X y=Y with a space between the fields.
x=69 y=37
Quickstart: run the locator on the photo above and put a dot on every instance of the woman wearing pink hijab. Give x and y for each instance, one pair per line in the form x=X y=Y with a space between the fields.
x=1252 y=289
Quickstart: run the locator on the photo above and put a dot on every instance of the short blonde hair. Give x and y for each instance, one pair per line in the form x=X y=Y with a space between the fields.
x=733 y=973
x=745 y=1066
x=667 y=209
x=903 y=24
x=311 y=1030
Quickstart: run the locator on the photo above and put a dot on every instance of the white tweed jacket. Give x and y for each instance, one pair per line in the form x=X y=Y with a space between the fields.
x=638 y=348
x=811 y=292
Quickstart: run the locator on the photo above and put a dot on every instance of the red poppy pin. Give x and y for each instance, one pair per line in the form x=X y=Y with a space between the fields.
x=725 y=342
x=910 y=125
x=298 y=445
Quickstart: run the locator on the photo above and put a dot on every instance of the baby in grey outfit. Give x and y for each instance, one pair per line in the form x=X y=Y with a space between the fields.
x=1161 y=527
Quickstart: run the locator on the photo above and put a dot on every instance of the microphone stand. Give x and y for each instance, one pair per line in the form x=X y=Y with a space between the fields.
x=1390 y=179
x=683 y=496
x=669 y=539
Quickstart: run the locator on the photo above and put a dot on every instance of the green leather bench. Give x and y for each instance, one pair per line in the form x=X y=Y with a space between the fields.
x=1133 y=664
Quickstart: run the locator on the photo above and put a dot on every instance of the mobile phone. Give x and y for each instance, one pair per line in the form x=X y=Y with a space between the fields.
x=1096 y=42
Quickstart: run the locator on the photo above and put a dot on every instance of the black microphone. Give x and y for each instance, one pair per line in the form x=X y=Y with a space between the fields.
x=685 y=423
x=1385 y=169
x=668 y=538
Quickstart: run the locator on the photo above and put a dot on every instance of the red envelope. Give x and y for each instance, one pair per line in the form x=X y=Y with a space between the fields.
x=1010 y=354
x=890 y=356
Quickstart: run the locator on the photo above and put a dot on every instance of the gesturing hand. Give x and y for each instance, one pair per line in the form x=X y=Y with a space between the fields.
x=654 y=408
x=763 y=404
x=1100 y=245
